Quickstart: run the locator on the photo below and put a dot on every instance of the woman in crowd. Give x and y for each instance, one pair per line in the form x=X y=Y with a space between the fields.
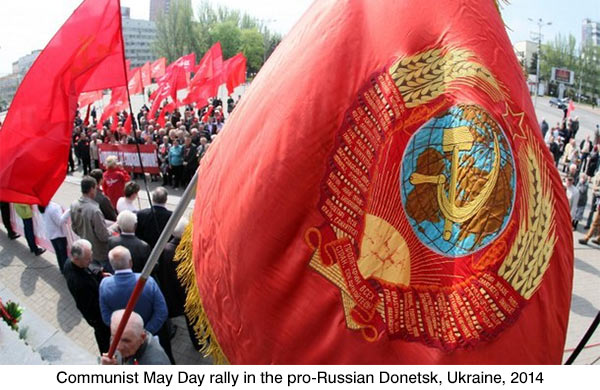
x=128 y=202
x=176 y=162
x=114 y=179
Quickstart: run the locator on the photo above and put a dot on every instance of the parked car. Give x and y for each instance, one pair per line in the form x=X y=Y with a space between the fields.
x=559 y=103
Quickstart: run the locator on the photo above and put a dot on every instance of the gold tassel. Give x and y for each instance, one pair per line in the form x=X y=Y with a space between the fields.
x=193 y=303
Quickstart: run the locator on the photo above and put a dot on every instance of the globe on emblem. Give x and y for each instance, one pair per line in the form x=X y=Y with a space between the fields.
x=457 y=181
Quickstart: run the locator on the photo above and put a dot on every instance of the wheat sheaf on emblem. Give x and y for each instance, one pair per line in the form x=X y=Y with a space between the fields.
x=425 y=76
x=528 y=260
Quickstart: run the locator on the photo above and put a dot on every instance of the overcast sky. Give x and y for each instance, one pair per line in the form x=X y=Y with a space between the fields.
x=26 y=25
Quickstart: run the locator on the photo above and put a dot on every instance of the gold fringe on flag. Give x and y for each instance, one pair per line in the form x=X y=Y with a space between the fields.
x=193 y=303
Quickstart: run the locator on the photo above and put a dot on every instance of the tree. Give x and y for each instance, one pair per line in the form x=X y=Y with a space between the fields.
x=229 y=34
x=562 y=53
x=589 y=70
x=533 y=65
x=177 y=33
x=253 y=48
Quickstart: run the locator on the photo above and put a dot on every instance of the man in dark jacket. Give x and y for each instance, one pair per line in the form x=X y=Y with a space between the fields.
x=140 y=251
x=83 y=148
x=84 y=287
x=105 y=206
x=152 y=221
x=190 y=159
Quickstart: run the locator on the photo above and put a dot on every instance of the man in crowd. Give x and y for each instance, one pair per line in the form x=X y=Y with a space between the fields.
x=136 y=346
x=140 y=251
x=150 y=226
x=116 y=290
x=105 y=206
x=190 y=159
x=83 y=151
x=87 y=221
x=84 y=287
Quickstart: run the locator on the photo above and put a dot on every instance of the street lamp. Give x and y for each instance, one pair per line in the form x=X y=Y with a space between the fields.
x=540 y=24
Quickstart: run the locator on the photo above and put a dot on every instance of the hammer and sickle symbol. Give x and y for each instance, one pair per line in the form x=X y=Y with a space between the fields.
x=455 y=140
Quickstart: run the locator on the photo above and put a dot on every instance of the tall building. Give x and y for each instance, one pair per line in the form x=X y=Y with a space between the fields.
x=139 y=35
x=157 y=7
x=161 y=6
x=590 y=32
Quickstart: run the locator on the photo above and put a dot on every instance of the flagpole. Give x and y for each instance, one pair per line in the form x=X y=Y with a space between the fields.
x=586 y=337
x=186 y=198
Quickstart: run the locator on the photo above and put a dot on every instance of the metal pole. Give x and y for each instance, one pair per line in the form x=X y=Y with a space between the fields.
x=153 y=259
x=584 y=340
x=537 y=70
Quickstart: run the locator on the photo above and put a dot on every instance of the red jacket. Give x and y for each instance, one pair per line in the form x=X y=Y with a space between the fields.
x=113 y=184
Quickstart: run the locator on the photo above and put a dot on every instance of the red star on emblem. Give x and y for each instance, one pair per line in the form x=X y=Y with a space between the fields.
x=516 y=119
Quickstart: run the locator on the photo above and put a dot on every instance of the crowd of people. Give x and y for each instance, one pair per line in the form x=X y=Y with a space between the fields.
x=180 y=139
x=577 y=159
x=115 y=235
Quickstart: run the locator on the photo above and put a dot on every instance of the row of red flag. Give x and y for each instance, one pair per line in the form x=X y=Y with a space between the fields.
x=209 y=75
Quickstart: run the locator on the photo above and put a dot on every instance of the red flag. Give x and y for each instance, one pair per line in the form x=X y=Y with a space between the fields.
x=86 y=121
x=158 y=68
x=234 y=72
x=187 y=62
x=85 y=54
x=571 y=108
x=135 y=81
x=162 y=121
x=127 y=124
x=87 y=98
x=427 y=224
x=115 y=122
x=210 y=66
x=118 y=102
x=208 y=77
x=146 y=73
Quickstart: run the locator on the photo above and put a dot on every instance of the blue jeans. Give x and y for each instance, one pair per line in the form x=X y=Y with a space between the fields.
x=60 y=248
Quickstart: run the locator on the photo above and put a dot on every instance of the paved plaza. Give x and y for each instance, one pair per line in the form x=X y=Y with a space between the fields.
x=56 y=329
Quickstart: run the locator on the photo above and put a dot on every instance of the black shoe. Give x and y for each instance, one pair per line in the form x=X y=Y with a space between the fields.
x=14 y=236
x=596 y=241
x=583 y=241
x=39 y=251
x=587 y=227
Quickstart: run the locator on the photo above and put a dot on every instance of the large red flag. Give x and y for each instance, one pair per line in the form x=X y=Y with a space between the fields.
x=234 y=72
x=382 y=195
x=85 y=54
x=158 y=67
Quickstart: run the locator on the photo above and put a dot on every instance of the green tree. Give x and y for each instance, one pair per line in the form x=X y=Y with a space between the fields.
x=562 y=53
x=252 y=46
x=589 y=70
x=177 y=33
x=533 y=65
x=230 y=36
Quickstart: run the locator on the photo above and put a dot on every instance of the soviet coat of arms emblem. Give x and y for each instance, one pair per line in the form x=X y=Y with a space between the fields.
x=419 y=201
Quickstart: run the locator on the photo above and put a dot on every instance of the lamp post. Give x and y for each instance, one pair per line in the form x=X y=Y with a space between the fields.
x=540 y=24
